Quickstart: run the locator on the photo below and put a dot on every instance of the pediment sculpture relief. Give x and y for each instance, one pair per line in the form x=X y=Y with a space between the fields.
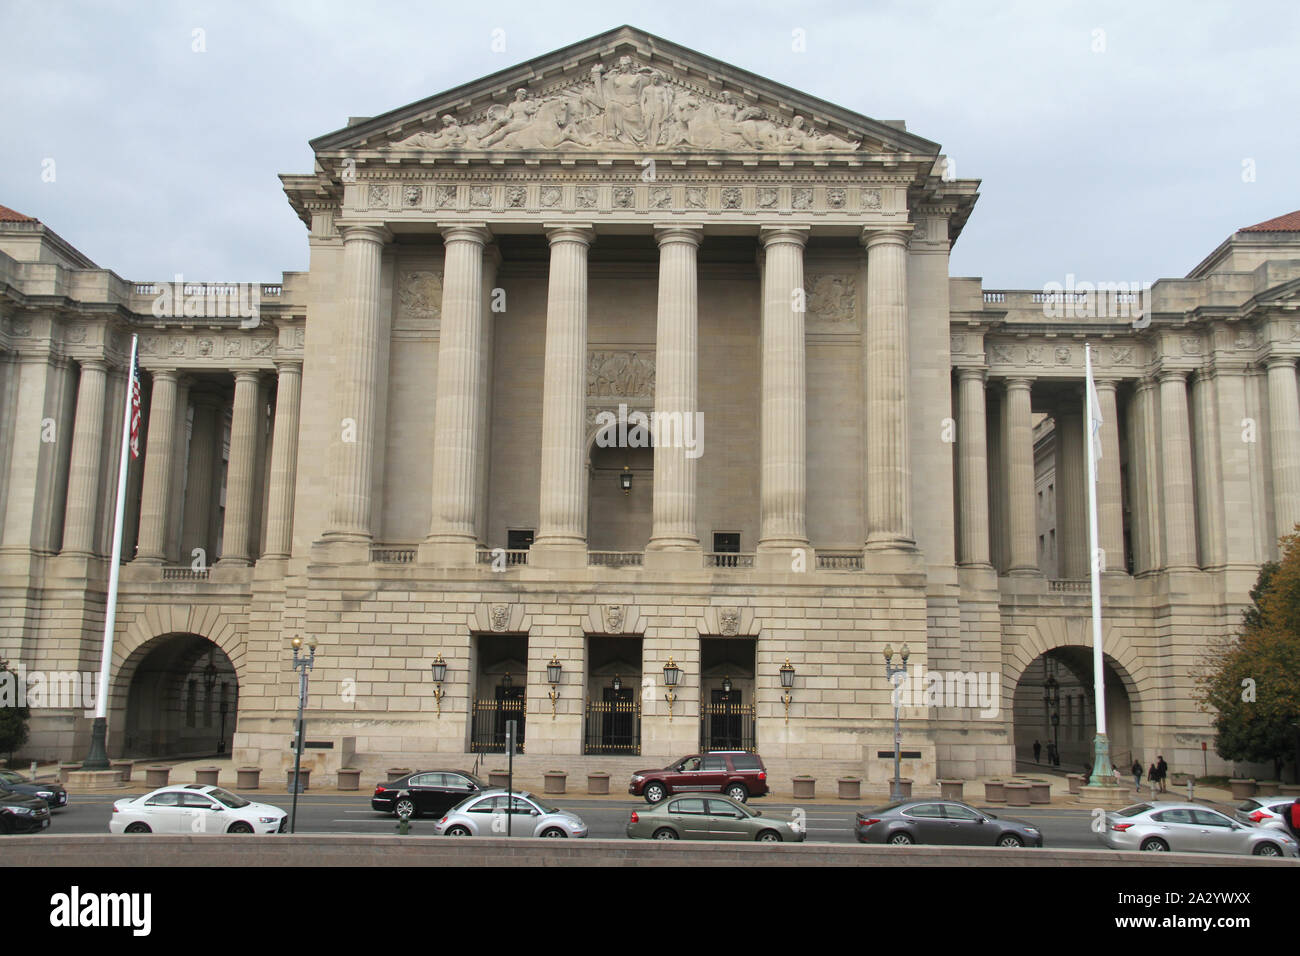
x=629 y=107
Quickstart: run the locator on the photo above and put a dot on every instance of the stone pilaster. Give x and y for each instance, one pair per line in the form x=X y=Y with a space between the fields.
x=1110 y=501
x=885 y=393
x=676 y=398
x=1176 y=459
x=783 y=475
x=457 y=422
x=236 y=536
x=355 y=442
x=491 y=260
x=562 y=518
x=1210 y=515
x=1237 y=448
x=1071 y=491
x=1145 y=478
x=972 y=468
x=1284 y=442
x=88 y=440
x=284 y=460
x=1018 y=464
x=159 y=464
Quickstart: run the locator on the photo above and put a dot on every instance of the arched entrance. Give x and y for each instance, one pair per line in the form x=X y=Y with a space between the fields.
x=182 y=699
x=1053 y=704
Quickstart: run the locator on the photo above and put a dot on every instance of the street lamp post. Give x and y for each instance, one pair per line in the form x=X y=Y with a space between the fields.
x=303 y=664
x=894 y=674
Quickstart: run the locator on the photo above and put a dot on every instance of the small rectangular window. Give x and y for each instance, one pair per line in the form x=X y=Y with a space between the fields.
x=726 y=542
x=519 y=539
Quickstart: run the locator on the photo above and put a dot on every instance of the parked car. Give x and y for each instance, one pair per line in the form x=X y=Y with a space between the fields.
x=195 y=808
x=429 y=792
x=484 y=814
x=22 y=813
x=1191 y=828
x=737 y=773
x=942 y=823
x=52 y=793
x=1264 y=811
x=709 y=818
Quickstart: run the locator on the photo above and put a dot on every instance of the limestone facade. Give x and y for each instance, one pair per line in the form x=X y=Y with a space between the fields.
x=404 y=453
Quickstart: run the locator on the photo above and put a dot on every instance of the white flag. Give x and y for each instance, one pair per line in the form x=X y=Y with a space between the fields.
x=1094 y=423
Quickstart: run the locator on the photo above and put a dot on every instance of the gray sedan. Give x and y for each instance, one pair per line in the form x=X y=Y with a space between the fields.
x=484 y=814
x=1191 y=828
x=942 y=822
x=714 y=817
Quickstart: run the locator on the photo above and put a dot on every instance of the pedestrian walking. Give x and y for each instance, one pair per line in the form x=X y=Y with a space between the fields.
x=1153 y=775
x=1136 y=771
x=1163 y=769
x=1038 y=749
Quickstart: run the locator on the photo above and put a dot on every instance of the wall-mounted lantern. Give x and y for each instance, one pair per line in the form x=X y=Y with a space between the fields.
x=787 y=682
x=553 y=670
x=439 y=669
x=625 y=480
x=672 y=674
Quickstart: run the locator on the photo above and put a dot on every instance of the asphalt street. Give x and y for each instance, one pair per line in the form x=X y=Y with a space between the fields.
x=340 y=813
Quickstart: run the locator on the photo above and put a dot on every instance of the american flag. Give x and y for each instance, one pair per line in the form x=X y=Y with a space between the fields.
x=135 y=405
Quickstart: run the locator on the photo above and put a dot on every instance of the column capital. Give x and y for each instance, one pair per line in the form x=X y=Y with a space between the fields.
x=1018 y=383
x=569 y=232
x=166 y=374
x=248 y=374
x=375 y=232
x=793 y=233
x=1274 y=360
x=98 y=364
x=465 y=232
x=688 y=232
x=1169 y=374
x=288 y=365
x=885 y=235
x=1145 y=384
x=1109 y=384
x=967 y=372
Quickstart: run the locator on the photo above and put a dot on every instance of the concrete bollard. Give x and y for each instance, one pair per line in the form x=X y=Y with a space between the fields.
x=248 y=778
x=65 y=769
x=349 y=779
x=850 y=788
x=995 y=791
x=124 y=767
x=306 y=781
x=1040 y=791
x=805 y=788
x=951 y=789
x=397 y=773
x=598 y=783
x=1017 y=794
x=1241 y=789
x=498 y=778
x=155 y=777
x=1075 y=781
x=555 y=781
x=207 y=776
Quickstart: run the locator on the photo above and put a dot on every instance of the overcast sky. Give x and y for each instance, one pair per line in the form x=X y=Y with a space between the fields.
x=1115 y=141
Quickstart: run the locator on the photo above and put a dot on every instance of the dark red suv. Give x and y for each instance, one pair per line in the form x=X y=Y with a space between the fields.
x=737 y=773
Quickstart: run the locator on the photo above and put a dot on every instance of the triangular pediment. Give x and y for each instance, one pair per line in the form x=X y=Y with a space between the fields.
x=623 y=92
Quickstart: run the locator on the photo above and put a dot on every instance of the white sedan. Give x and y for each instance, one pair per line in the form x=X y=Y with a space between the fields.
x=195 y=808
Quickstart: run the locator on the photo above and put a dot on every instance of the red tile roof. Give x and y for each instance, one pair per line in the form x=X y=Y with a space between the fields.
x=1288 y=223
x=9 y=215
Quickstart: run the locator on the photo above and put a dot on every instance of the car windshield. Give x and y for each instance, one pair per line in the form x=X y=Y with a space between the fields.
x=476 y=781
x=9 y=776
x=227 y=798
x=544 y=807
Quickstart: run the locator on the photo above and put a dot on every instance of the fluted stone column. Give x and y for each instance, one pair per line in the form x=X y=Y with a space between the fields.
x=1176 y=459
x=1110 y=501
x=458 y=406
x=88 y=439
x=1148 y=548
x=562 y=518
x=1071 y=491
x=885 y=340
x=198 y=484
x=159 y=464
x=237 y=533
x=354 y=445
x=1284 y=442
x=972 y=469
x=491 y=260
x=1210 y=514
x=284 y=460
x=676 y=396
x=1018 y=460
x=784 y=426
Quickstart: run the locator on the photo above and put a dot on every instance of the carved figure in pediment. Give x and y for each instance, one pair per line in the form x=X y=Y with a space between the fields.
x=620 y=95
x=656 y=107
x=451 y=136
x=798 y=136
x=503 y=120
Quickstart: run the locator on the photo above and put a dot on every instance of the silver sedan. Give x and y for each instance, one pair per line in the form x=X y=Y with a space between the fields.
x=484 y=814
x=1191 y=828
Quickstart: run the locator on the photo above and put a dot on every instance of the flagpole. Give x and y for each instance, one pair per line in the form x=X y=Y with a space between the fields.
x=97 y=759
x=1101 y=770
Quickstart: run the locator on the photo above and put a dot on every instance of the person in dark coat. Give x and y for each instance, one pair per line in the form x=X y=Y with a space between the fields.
x=1162 y=769
x=1038 y=749
x=1136 y=771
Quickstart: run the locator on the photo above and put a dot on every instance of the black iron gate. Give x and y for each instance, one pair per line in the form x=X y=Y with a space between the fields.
x=488 y=726
x=613 y=726
x=727 y=725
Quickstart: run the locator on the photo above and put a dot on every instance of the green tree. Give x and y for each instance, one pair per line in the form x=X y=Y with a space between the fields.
x=13 y=719
x=1251 y=681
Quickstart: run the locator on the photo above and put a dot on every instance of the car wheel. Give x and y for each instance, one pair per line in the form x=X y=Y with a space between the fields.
x=458 y=831
x=737 y=792
x=665 y=833
x=901 y=839
x=1268 y=849
x=138 y=828
x=654 y=792
x=1010 y=839
x=554 y=833
x=1154 y=845
x=768 y=836
x=405 y=807
x=240 y=827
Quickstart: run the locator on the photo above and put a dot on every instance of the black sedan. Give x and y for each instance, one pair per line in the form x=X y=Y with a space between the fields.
x=20 y=813
x=52 y=793
x=431 y=792
x=942 y=823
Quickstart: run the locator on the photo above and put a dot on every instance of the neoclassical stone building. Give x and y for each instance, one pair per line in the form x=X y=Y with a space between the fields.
x=406 y=452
